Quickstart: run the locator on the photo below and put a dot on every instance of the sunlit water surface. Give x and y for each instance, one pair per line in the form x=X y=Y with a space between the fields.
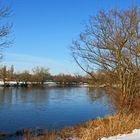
x=50 y=108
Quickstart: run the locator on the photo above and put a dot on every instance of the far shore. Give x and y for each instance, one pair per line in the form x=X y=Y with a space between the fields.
x=47 y=83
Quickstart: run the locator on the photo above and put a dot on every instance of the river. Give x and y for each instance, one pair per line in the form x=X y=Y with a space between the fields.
x=50 y=108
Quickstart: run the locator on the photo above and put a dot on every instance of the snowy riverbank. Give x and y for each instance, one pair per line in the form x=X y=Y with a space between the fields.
x=135 y=135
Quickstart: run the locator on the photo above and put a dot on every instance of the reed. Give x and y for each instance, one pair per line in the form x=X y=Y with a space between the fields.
x=95 y=129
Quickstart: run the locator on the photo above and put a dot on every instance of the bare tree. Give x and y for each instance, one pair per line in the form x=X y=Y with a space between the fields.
x=3 y=73
x=5 y=28
x=40 y=74
x=111 y=42
x=24 y=76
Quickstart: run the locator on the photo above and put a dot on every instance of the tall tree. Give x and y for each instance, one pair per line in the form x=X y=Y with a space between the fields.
x=4 y=74
x=12 y=72
x=111 y=42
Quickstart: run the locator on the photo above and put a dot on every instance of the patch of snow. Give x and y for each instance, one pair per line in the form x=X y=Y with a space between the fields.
x=1 y=83
x=135 y=135
x=11 y=82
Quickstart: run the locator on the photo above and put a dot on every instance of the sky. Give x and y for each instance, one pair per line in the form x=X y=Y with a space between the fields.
x=43 y=31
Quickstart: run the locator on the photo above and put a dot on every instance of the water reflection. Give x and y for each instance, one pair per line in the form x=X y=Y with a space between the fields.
x=22 y=95
x=50 y=108
x=95 y=93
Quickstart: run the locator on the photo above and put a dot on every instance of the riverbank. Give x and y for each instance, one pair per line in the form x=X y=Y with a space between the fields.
x=135 y=135
x=95 y=129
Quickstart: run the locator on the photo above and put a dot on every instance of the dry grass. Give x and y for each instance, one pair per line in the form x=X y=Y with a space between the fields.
x=96 y=129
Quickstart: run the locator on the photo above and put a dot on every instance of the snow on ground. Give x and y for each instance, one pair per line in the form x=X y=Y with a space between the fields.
x=135 y=135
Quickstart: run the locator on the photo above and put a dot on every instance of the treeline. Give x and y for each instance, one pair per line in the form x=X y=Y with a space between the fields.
x=39 y=75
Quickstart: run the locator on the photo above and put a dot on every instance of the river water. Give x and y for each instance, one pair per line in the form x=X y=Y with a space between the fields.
x=50 y=108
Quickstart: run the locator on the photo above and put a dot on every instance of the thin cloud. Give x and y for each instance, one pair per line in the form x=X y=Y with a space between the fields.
x=26 y=61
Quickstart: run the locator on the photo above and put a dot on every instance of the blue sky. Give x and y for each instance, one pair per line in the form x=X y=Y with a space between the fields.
x=43 y=31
